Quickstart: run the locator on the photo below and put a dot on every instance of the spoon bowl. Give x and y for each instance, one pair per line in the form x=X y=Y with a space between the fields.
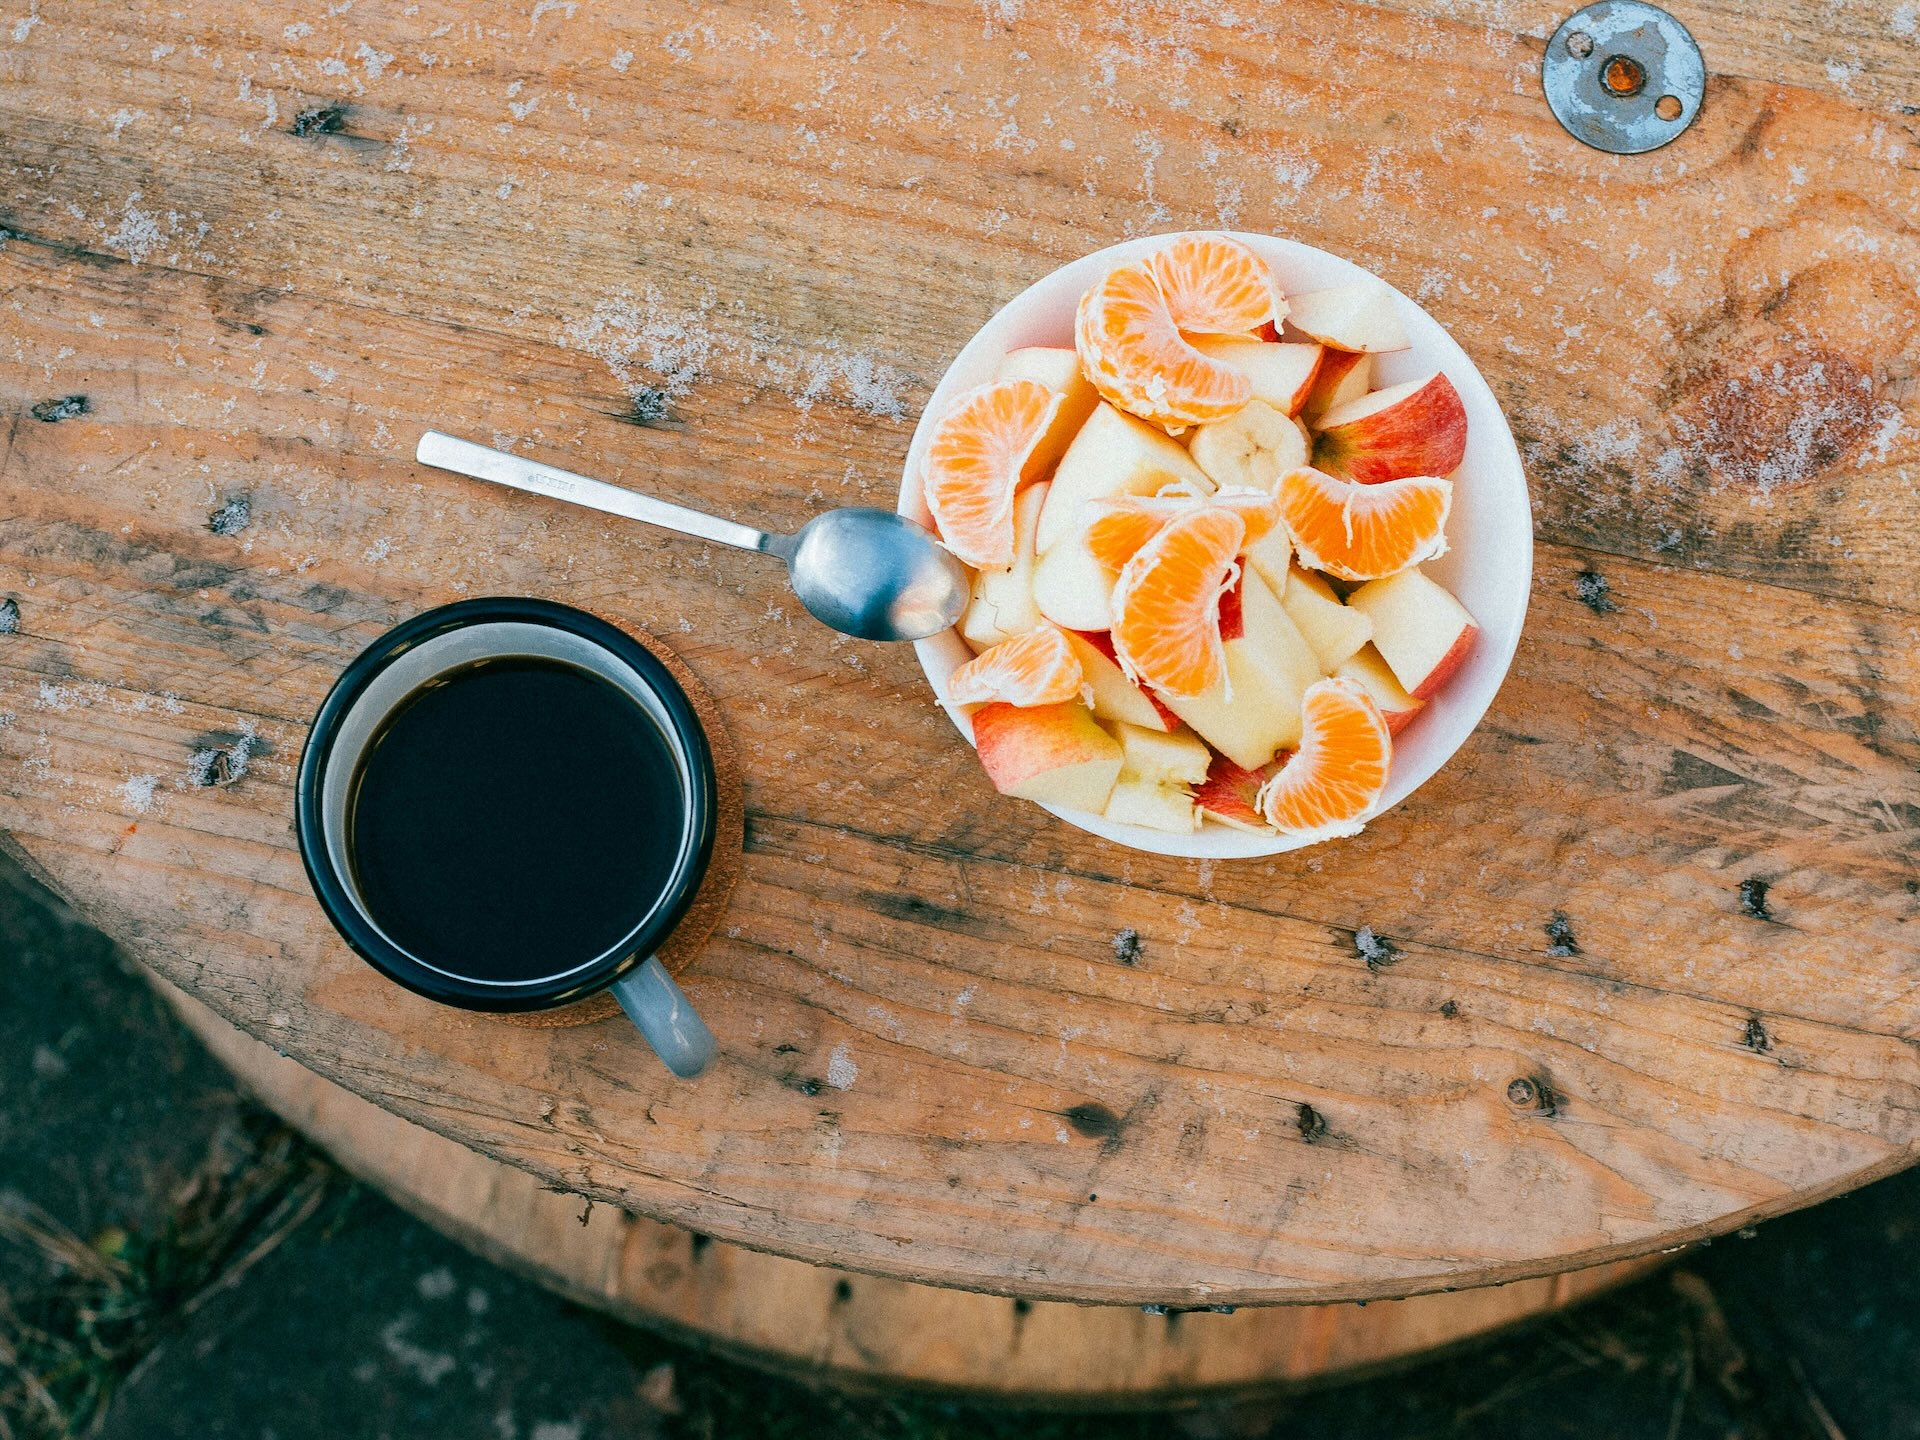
x=875 y=575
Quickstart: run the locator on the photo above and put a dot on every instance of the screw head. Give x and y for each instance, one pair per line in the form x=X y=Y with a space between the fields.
x=1623 y=75
x=1522 y=1091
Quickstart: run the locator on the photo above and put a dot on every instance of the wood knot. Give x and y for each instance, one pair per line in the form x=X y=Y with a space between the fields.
x=1780 y=418
x=1753 y=898
x=649 y=408
x=65 y=407
x=321 y=120
x=1560 y=941
x=1311 y=1123
x=1591 y=589
x=232 y=517
x=1096 y=1122
x=1378 y=951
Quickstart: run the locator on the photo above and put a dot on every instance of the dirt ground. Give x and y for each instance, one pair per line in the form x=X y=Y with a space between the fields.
x=173 y=1263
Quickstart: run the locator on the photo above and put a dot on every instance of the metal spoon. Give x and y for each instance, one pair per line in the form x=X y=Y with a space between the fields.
x=868 y=573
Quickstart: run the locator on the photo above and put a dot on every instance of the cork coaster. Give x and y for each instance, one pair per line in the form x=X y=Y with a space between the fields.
x=689 y=937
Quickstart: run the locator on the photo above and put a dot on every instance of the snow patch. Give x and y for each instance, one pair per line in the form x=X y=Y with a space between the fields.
x=841 y=1071
x=137 y=792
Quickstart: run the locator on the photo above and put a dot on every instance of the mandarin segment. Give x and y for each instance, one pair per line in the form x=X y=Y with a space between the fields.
x=1137 y=358
x=1214 y=285
x=1364 y=532
x=1121 y=529
x=1038 y=668
x=1166 y=603
x=977 y=457
x=1123 y=524
x=1337 y=775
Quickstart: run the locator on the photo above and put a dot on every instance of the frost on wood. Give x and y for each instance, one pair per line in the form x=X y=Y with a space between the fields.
x=659 y=351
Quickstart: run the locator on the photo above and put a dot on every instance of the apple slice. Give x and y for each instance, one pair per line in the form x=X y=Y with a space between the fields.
x=1001 y=607
x=1115 y=697
x=1333 y=629
x=1269 y=667
x=1251 y=449
x=1055 y=754
x=1420 y=630
x=1158 y=807
x=1282 y=374
x=1176 y=759
x=1059 y=370
x=1114 y=454
x=1072 y=589
x=1271 y=558
x=1362 y=316
x=1367 y=670
x=1229 y=791
x=1343 y=375
x=1419 y=428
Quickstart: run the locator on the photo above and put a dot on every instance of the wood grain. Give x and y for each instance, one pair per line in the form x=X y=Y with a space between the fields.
x=764 y=236
x=861 y=1330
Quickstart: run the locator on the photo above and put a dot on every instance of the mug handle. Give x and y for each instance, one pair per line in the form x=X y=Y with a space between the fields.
x=666 y=1018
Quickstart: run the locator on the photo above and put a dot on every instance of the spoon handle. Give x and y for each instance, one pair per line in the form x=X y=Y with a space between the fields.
x=481 y=462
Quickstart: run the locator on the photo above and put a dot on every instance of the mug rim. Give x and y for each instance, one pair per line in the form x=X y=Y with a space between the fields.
x=333 y=890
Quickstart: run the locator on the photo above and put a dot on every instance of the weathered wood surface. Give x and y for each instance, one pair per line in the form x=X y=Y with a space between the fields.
x=861 y=1329
x=267 y=248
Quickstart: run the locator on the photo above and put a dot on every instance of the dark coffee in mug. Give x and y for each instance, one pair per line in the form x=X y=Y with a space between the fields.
x=512 y=811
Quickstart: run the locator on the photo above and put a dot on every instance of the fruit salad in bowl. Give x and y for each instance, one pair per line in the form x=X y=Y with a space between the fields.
x=1249 y=538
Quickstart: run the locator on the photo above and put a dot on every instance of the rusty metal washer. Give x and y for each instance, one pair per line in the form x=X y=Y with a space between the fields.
x=1623 y=76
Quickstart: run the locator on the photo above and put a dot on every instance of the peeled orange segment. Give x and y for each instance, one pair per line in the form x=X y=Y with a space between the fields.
x=1259 y=513
x=976 y=461
x=1119 y=533
x=1123 y=524
x=1217 y=286
x=1136 y=357
x=1364 y=532
x=1038 y=668
x=1336 y=777
x=1166 y=603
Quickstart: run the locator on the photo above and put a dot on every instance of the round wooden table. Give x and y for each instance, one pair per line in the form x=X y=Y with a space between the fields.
x=1651 y=968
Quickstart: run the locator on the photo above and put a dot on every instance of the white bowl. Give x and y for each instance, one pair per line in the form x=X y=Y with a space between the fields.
x=1489 y=565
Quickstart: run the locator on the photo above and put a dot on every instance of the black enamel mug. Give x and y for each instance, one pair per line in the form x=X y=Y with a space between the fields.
x=377 y=804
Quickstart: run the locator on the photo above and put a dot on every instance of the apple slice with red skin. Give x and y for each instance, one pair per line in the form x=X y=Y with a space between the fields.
x=1372 y=674
x=1420 y=630
x=1342 y=375
x=1419 y=428
x=1228 y=793
x=1055 y=754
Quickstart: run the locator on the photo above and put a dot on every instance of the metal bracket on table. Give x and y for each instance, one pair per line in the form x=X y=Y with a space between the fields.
x=1623 y=76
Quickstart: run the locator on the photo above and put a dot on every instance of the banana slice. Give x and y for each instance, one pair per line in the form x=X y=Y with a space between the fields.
x=1250 y=449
